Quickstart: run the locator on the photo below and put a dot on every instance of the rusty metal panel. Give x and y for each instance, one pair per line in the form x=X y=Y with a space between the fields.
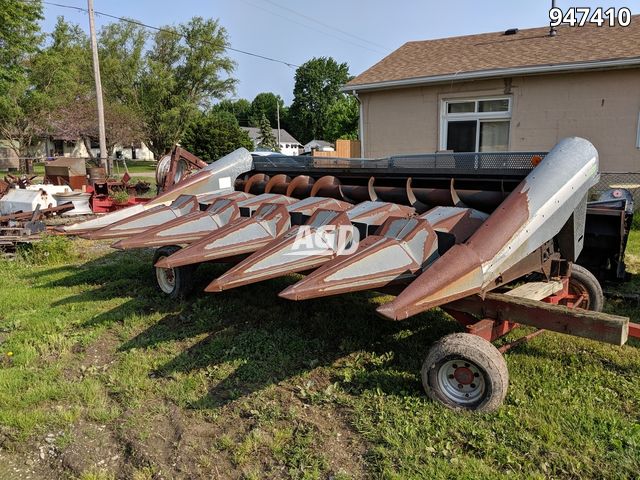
x=142 y=221
x=289 y=254
x=459 y=222
x=243 y=236
x=283 y=255
x=191 y=227
x=530 y=216
x=394 y=254
x=399 y=251
x=219 y=176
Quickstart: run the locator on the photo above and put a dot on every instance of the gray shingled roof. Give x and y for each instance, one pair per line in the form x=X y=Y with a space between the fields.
x=285 y=137
x=490 y=51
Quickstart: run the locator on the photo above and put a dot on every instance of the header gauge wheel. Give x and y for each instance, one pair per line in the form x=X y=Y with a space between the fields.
x=175 y=282
x=464 y=371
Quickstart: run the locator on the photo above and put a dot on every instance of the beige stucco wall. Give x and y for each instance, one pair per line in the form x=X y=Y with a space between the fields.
x=600 y=106
x=8 y=158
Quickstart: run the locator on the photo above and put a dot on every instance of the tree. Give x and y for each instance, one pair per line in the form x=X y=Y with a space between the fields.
x=19 y=38
x=317 y=88
x=342 y=119
x=215 y=134
x=53 y=76
x=77 y=120
x=241 y=109
x=122 y=62
x=267 y=139
x=266 y=103
x=182 y=77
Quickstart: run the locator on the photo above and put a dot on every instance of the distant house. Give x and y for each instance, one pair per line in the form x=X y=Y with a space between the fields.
x=8 y=158
x=59 y=146
x=517 y=90
x=67 y=147
x=320 y=145
x=288 y=144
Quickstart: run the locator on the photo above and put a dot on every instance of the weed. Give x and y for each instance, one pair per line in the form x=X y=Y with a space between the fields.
x=50 y=250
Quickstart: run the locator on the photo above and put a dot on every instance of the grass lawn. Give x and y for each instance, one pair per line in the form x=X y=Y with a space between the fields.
x=103 y=377
x=134 y=166
x=139 y=170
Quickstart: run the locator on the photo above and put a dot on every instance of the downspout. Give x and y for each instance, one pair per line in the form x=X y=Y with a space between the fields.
x=360 y=122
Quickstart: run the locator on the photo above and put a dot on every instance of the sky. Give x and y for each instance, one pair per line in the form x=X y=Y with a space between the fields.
x=357 y=32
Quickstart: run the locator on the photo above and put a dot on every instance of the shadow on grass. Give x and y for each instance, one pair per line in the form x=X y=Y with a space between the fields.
x=271 y=339
x=268 y=339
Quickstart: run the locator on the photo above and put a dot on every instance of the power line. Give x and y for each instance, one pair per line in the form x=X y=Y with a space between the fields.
x=332 y=27
x=172 y=32
x=311 y=26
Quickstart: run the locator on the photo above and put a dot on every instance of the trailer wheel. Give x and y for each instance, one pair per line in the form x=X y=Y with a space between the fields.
x=175 y=282
x=583 y=283
x=464 y=371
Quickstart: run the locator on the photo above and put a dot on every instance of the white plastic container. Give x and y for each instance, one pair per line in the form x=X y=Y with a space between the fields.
x=27 y=200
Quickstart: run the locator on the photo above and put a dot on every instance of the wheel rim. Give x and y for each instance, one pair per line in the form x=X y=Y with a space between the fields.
x=166 y=279
x=461 y=381
x=579 y=295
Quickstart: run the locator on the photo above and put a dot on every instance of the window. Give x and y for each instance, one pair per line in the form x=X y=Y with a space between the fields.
x=478 y=125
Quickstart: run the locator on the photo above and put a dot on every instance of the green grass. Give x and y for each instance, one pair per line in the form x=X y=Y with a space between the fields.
x=137 y=166
x=246 y=385
x=134 y=166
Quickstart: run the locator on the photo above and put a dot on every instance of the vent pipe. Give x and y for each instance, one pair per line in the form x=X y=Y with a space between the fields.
x=552 y=30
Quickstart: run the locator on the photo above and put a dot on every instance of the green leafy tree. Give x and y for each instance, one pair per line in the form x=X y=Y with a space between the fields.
x=19 y=38
x=317 y=88
x=267 y=139
x=183 y=75
x=241 y=109
x=215 y=134
x=77 y=119
x=266 y=104
x=342 y=119
x=122 y=62
x=54 y=75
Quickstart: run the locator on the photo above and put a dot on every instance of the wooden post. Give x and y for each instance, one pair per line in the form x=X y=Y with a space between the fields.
x=96 y=73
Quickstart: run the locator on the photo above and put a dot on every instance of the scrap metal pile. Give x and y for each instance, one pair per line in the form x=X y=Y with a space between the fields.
x=456 y=231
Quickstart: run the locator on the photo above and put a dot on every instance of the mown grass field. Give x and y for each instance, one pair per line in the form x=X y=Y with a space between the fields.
x=102 y=377
x=134 y=166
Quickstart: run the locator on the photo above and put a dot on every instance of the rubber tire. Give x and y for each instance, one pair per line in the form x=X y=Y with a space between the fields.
x=590 y=283
x=183 y=275
x=480 y=352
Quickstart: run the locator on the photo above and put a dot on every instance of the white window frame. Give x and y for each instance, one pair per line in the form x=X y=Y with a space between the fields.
x=445 y=116
x=638 y=133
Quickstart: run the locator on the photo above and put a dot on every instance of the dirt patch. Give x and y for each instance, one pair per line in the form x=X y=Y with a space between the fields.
x=277 y=435
x=154 y=443
x=91 y=447
x=98 y=357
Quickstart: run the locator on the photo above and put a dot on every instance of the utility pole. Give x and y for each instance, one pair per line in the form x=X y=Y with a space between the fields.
x=278 y=117
x=104 y=161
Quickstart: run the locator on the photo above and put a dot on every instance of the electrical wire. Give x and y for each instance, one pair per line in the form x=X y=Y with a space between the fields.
x=311 y=26
x=172 y=32
x=327 y=25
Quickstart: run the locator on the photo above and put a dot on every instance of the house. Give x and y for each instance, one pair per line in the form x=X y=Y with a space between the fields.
x=518 y=90
x=71 y=147
x=8 y=158
x=288 y=144
x=320 y=145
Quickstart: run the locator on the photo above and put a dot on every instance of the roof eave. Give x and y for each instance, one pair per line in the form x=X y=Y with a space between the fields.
x=500 y=72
